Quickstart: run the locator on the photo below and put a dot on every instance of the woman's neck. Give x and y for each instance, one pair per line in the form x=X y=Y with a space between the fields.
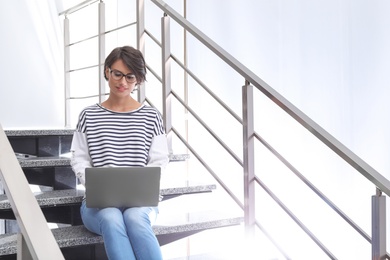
x=121 y=105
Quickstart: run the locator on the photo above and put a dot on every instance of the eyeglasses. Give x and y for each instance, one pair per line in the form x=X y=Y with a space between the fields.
x=117 y=75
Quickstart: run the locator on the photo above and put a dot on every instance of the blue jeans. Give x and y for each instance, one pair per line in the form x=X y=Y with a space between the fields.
x=127 y=232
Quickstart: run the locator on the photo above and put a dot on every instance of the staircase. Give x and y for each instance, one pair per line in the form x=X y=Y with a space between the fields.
x=191 y=208
x=43 y=156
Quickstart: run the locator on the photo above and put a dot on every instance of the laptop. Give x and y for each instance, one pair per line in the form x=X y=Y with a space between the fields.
x=122 y=186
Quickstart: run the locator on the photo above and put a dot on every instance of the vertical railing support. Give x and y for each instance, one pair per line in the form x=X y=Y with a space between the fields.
x=166 y=78
x=66 y=71
x=102 y=51
x=22 y=251
x=378 y=226
x=249 y=164
x=141 y=42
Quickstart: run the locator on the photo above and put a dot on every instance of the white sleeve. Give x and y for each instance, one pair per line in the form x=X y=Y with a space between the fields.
x=80 y=156
x=158 y=152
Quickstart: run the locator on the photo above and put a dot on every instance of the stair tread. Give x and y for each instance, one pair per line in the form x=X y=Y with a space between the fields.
x=64 y=160
x=73 y=196
x=39 y=132
x=72 y=236
x=52 y=161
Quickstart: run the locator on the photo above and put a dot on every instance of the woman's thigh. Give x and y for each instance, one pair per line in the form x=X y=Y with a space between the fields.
x=95 y=219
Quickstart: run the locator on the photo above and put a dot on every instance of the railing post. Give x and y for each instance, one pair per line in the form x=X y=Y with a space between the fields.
x=22 y=252
x=66 y=71
x=166 y=78
x=249 y=164
x=378 y=226
x=141 y=42
x=102 y=49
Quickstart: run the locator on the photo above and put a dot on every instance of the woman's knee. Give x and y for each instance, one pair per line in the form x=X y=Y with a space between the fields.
x=139 y=216
x=103 y=217
x=110 y=216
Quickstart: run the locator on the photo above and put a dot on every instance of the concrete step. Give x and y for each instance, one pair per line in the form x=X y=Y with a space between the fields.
x=79 y=236
x=31 y=161
x=62 y=206
x=56 y=198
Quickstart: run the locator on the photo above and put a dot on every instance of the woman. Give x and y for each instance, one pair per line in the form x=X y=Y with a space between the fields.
x=116 y=133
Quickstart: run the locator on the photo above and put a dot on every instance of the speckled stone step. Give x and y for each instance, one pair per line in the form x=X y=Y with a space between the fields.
x=39 y=132
x=27 y=161
x=74 y=236
x=73 y=196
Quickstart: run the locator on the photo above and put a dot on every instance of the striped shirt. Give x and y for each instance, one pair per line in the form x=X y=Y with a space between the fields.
x=119 y=139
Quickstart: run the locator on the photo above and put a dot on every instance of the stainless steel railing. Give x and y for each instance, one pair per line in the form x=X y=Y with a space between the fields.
x=379 y=181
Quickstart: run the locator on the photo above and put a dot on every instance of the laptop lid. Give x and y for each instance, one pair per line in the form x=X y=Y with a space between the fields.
x=122 y=186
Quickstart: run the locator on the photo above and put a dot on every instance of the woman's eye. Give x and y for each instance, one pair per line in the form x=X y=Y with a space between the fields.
x=117 y=74
x=130 y=77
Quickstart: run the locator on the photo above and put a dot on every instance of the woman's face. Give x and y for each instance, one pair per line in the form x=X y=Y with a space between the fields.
x=121 y=80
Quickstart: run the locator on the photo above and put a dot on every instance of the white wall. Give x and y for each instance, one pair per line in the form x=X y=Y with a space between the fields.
x=31 y=92
x=329 y=58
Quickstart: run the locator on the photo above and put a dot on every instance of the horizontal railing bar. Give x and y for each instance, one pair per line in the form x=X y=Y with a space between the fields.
x=216 y=98
x=78 y=7
x=82 y=40
x=192 y=112
x=120 y=27
x=150 y=103
x=265 y=232
x=366 y=170
x=106 y=32
x=83 y=68
x=313 y=188
x=231 y=194
x=154 y=73
x=153 y=38
x=293 y=217
x=84 y=97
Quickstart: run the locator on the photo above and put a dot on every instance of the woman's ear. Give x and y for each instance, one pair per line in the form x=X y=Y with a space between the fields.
x=106 y=72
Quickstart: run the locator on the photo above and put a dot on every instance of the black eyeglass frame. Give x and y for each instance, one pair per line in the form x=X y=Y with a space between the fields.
x=130 y=78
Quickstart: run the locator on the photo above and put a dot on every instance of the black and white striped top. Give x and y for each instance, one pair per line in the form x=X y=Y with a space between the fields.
x=119 y=139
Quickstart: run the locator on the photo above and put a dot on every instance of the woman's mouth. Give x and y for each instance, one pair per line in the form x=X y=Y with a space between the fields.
x=121 y=88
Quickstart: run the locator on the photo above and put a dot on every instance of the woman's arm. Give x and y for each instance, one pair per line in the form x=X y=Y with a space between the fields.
x=80 y=156
x=158 y=152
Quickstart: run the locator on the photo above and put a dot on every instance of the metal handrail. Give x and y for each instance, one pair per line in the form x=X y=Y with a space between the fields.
x=273 y=196
x=356 y=162
x=36 y=240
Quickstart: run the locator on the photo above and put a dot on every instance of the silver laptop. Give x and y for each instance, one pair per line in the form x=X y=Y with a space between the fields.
x=122 y=186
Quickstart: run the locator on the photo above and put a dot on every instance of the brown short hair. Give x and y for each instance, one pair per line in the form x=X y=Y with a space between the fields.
x=131 y=57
